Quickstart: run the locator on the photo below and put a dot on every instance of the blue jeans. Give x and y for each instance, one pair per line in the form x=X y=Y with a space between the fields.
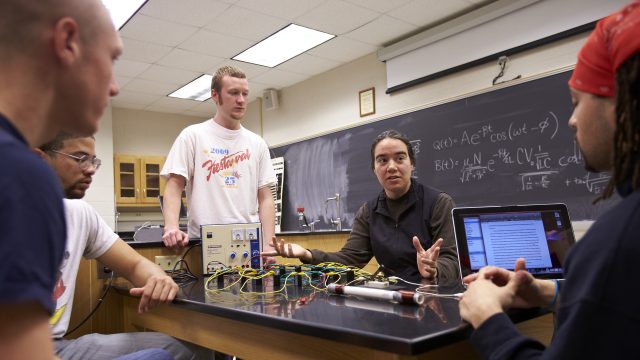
x=148 y=354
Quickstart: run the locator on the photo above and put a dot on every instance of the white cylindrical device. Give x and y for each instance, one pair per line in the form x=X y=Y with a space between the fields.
x=405 y=297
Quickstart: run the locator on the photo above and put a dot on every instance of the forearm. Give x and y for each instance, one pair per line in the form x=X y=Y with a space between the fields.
x=447 y=264
x=356 y=251
x=172 y=202
x=142 y=271
x=441 y=227
x=267 y=214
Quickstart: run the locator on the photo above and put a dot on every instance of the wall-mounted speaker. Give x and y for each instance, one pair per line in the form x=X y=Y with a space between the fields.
x=270 y=99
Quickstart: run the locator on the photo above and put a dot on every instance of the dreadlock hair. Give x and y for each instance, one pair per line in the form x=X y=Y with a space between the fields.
x=626 y=143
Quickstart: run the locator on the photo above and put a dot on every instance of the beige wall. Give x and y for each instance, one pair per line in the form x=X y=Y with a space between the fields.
x=145 y=132
x=101 y=194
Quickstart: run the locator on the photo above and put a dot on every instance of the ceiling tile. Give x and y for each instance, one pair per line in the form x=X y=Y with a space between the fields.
x=142 y=27
x=143 y=51
x=425 y=13
x=214 y=44
x=279 y=79
x=308 y=64
x=136 y=97
x=129 y=68
x=168 y=75
x=189 y=12
x=337 y=17
x=381 y=6
x=171 y=42
x=122 y=80
x=342 y=49
x=189 y=60
x=381 y=31
x=285 y=9
x=150 y=87
x=255 y=26
x=250 y=70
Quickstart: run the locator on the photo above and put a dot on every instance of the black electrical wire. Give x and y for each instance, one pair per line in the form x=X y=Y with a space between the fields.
x=100 y=300
x=184 y=274
x=502 y=62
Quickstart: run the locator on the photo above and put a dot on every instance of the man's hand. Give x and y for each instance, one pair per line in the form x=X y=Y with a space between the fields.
x=158 y=290
x=281 y=248
x=530 y=292
x=266 y=258
x=427 y=260
x=484 y=298
x=174 y=238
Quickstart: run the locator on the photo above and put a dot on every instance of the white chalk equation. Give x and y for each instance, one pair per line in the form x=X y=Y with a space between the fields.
x=595 y=183
x=534 y=166
x=415 y=145
x=477 y=165
x=546 y=127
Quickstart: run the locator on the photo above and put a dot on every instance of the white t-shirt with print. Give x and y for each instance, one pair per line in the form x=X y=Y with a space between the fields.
x=87 y=235
x=224 y=170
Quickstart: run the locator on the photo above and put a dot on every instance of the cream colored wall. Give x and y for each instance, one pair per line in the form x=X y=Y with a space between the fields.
x=101 y=194
x=142 y=132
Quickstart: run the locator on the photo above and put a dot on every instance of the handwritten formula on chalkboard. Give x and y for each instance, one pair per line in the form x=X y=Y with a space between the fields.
x=507 y=146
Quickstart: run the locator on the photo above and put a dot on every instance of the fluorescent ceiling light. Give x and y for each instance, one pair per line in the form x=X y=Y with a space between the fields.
x=199 y=89
x=287 y=43
x=122 y=10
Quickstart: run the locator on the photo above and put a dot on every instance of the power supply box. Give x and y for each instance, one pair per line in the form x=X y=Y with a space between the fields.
x=231 y=245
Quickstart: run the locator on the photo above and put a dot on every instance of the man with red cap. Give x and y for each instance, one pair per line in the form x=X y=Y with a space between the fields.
x=597 y=316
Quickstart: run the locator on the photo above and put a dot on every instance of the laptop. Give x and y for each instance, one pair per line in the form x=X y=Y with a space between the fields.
x=498 y=235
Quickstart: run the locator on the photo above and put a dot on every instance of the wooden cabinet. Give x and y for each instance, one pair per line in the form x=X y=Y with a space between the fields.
x=137 y=180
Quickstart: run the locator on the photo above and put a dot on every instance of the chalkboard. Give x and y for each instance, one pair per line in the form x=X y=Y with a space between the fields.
x=503 y=147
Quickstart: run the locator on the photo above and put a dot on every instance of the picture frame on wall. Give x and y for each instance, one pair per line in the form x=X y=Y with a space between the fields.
x=367 y=99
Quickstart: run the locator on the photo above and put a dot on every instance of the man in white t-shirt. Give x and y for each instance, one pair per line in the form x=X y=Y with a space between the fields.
x=74 y=160
x=226 y=168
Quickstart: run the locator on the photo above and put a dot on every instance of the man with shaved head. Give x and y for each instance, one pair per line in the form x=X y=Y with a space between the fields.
x=56 y=64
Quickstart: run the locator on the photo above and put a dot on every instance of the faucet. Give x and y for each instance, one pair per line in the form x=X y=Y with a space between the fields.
x=312 y=225
x=337 y=222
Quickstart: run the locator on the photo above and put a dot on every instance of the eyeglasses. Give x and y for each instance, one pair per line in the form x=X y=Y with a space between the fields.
x=85 y=161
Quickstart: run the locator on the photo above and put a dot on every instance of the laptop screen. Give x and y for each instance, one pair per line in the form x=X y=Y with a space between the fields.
x=498 y=235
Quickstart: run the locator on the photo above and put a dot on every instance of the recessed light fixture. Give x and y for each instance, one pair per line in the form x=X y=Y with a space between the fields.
x=285 y=44
x=199 y=89
x=121 y=11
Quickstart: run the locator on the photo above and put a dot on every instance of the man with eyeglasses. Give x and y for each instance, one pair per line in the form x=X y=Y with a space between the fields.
x=73 y=159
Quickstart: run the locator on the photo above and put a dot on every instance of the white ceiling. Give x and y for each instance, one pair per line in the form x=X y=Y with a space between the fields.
x=168 y=43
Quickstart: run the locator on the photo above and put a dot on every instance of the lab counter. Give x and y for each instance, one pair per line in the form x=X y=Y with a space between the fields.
x=300 y=322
